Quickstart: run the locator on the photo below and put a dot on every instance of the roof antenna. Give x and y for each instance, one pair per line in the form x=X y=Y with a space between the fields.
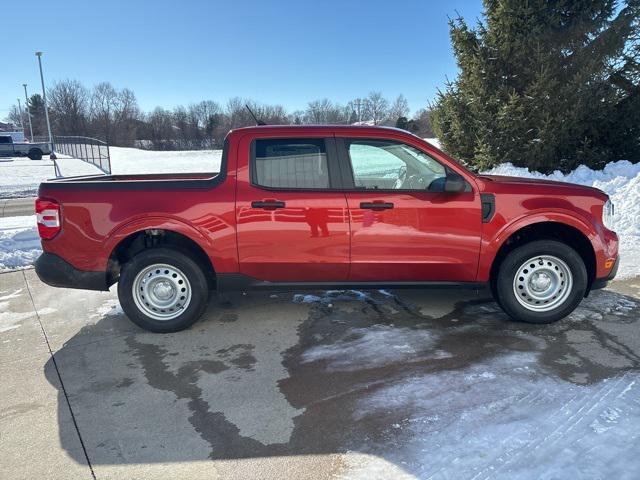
x=258 y=122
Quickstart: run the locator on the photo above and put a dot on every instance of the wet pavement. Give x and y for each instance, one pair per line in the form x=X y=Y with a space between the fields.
x=339 y=384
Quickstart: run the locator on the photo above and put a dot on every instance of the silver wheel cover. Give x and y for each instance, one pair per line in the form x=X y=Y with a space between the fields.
x=542 y=283
x=161 y=291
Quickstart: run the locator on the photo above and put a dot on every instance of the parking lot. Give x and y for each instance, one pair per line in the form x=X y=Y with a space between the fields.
x=342 y=384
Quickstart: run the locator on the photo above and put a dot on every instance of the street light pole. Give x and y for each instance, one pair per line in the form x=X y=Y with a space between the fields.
x=21 y=117
x=46 y=109
x=26 y=106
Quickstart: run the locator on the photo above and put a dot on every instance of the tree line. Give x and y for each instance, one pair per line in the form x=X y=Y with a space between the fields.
x=113 y=115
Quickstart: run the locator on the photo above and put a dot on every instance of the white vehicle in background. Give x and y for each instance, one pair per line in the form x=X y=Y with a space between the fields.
x=14 y=144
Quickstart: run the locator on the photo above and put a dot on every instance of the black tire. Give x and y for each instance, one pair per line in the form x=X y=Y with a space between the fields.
x=493 y=286
x=35 y=154
x=512 y=265
x=178 y=259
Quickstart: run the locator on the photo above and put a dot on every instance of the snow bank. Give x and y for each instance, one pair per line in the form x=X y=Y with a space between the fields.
x=621 y=181
x=19 y=242
x=434 y=141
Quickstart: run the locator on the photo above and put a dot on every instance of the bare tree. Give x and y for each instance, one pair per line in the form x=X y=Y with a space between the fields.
x=237 y=113
x=15 y=118
x=68 y=105
x=127 y=115
x=272 y=114
x=114 y=114
x=296 y=118
x=160 y=129
x=208 y=123
x=104 y=102
x=377 y=108
x=181 y=126
x=324 y=111
x=357 y=110
x=399 y=108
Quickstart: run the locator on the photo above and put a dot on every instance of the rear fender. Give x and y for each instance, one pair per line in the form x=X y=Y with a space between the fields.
x=159 y=223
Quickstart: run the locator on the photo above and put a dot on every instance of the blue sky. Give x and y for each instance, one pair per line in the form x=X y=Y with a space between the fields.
x=285 y=52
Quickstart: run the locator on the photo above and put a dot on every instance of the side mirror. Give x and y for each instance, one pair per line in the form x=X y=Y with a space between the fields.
x=454 y=183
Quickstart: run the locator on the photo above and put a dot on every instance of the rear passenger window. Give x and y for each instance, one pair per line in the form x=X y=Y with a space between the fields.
x=290 y=163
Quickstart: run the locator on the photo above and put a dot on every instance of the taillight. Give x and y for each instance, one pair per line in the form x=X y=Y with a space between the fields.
x=48 y=217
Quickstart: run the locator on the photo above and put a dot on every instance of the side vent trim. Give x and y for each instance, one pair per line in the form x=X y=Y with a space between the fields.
x=488 y=206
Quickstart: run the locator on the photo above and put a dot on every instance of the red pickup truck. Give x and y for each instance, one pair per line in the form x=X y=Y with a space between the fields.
x=314 y=207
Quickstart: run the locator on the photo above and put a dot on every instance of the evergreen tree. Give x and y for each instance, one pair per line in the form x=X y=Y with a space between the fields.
x=402 y=123
x=546 y=84
x=36 y=110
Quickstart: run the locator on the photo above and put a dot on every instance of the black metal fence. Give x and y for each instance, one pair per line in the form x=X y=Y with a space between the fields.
x=91 y=150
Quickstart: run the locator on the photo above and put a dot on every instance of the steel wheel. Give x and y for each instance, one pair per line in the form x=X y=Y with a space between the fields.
x=542 y=283
x=161 y=291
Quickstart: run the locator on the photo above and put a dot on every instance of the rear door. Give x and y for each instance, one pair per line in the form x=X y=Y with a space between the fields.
x=404 y=227
x=292 y=220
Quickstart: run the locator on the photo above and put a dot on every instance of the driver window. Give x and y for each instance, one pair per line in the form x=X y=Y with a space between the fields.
x=388 y=165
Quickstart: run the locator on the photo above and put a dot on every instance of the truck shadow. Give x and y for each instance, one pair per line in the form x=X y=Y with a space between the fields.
x=285 y=375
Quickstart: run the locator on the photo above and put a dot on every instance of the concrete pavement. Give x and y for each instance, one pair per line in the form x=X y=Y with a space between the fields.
x=14 y=207
x=323 y=385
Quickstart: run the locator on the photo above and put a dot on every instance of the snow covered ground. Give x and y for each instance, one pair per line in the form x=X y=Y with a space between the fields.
x=136 y=161
x=19 y=242
x=20 y=177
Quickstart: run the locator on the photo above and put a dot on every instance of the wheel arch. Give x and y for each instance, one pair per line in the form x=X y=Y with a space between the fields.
x=570 y=235
x=132 y=241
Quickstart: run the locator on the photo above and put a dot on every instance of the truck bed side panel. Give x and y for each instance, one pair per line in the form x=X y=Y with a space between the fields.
x=95 y=220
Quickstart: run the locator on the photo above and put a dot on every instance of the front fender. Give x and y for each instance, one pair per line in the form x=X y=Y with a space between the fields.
x=494 y=239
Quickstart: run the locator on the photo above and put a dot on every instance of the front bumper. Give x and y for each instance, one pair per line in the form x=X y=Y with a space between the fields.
x=55 y=271
x=603 y=282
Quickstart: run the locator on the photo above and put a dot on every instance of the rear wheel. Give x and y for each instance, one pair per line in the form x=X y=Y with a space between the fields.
x=163 y=290
x=541 y=282
x=35 y=154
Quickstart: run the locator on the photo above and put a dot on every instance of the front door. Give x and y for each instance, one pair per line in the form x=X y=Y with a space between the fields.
x=293 y=226
x=6 y=146
x=404 y=227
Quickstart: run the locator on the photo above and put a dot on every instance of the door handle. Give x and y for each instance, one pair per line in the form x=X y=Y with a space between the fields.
x=268 y=204
x=376 y=205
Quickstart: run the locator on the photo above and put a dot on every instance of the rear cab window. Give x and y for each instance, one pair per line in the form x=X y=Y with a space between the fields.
x=290 y=163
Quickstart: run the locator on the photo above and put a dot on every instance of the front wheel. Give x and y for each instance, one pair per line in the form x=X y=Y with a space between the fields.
x=541 y=282
x=163 y=290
